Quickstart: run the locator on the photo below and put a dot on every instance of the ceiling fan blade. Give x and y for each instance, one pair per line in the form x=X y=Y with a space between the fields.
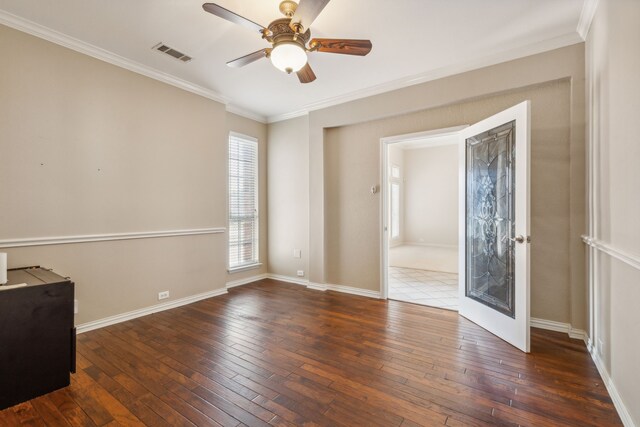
x=343 y=46
x=232 y=17
x=306 y=12
x=306 y=74
x=248 y=59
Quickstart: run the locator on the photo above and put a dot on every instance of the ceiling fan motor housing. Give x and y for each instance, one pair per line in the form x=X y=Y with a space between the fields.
x=279 y=31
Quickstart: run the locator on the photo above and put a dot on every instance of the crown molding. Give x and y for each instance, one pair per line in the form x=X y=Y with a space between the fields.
x=72 y=43
x=587 y=14
x=233 y=109
x=287 y=116
x=77 y=45
x=462 y=67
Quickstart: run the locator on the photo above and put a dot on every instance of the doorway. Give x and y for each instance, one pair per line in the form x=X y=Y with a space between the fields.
x=421 y=187
x=493 y=221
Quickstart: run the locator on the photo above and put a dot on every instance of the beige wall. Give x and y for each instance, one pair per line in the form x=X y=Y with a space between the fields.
x=431 y=195
x=90 y=148
x=613 y=66
x=352 y=214
x=288 y=168
x=554 y=79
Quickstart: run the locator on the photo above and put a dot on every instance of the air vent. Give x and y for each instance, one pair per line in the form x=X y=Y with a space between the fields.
x=161 y=47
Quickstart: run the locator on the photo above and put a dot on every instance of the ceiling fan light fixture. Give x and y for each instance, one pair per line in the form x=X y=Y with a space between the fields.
x=289 y=57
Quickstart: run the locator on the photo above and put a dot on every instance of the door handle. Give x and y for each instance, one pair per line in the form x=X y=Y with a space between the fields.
x=520 y=239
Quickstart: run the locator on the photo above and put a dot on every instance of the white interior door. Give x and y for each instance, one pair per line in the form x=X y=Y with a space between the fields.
x=494 y=224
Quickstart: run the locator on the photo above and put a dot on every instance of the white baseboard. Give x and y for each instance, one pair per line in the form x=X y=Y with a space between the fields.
x=289 y=279
x=344 y=289
x=119 y=318
x=246 y=280
x=624 y=414
x=328 y=287
x=317 y=286
x=353 y=291
x=608 y=382
x=552 y=325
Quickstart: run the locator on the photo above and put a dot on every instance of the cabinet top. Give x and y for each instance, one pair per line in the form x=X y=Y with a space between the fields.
x=33 y=276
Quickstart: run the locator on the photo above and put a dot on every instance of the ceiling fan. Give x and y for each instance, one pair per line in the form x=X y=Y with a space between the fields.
x=289 y=37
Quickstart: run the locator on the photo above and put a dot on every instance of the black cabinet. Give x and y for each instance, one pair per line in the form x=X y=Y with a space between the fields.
x=37 y=336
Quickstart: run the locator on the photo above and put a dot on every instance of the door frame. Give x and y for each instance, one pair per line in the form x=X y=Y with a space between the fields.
x=429 y=139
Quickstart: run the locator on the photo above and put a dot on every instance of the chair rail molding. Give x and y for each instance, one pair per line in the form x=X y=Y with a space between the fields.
x=86 y=238
x=620 y=255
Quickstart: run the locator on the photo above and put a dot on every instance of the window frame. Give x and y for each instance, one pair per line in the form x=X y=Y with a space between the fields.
x=395 y=180
x=255 y=261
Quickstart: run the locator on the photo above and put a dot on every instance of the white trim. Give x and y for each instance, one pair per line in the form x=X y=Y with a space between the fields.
x=353 y=291
x=245 y=113
x=589 y=8
x=246 y=280
x=317 y=286
x=623 y=412
x=344 y=289
x=62 y=240
x=552 y=325
x=446 y=71
x=424 y=136
x=287 y=116
x=119 y=318
x=72 y=43
x=244 y=268
x=620 y=255
x=310 y=285
x=243 y=136
x=289 y=279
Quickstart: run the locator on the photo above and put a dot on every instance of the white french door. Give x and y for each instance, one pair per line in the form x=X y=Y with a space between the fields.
x=494 y=224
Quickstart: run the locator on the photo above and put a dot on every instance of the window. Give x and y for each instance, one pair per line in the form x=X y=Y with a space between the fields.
x=394 y=207
x=395 y=210
x=243 y=201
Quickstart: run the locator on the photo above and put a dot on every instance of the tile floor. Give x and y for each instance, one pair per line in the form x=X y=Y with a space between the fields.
x=433 y=288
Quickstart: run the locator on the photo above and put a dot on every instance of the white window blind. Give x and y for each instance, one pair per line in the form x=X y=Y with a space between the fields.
x=243 y=201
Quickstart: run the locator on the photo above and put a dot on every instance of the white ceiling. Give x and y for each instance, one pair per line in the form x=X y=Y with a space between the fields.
x=413 y=41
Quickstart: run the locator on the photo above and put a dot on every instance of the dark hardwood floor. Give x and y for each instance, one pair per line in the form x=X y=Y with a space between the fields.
x=272 y=353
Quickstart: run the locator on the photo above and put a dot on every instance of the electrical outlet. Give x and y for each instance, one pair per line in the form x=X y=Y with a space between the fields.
x=300 y=273
x=75 y=306
x=297 y=253
x=163 y=295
